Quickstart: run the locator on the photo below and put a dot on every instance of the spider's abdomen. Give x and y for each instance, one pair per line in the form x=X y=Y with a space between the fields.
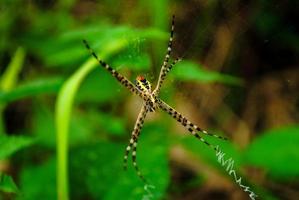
x=143 y=84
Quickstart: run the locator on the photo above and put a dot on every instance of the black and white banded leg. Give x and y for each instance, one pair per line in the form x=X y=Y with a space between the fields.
x=191 y=127
x=134 y=141
x=122 y=79
x=166 y=60
x=165 y=72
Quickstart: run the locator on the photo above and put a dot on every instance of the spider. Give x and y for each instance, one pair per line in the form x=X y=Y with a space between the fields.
x=152 y=102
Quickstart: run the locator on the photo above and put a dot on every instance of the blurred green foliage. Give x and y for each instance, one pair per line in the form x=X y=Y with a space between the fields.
x=280 y=152
x=77 y=127
x=7 y=184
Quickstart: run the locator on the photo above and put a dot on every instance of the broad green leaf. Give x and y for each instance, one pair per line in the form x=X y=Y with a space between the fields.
x=7 y=184
x=93 y=168
x=276 y=151
x=134 y=61
x=11 y=144
x=189 y=71
x=99 y=87
x=67 y=49
x=32 y=88
x=43 y=126
x=97 y=168
x=116 y=124
x=153 y=163
x=38 y=181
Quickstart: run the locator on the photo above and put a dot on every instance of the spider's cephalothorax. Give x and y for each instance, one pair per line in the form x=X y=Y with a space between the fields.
x=145 y=86
x=152 y=102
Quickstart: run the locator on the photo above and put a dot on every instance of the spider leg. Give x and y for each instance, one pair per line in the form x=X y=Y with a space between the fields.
x=135 y=162
x=191 y=127
x=163 y=75
x=164 y=69
x=171 y=65
x=134 y=140
x=122 y=79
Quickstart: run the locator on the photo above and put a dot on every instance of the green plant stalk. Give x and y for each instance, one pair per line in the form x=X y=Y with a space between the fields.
x=63 y=111
x=9 y=79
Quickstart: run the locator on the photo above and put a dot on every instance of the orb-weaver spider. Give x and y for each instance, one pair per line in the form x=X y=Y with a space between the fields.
x=152 y=102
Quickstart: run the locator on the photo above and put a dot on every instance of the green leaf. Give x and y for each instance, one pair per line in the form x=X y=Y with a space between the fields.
x=116 y=124
x=9 y=79
x=10 y=76
x=7 y=184
x=38 y=181
x=11 y=144
x=134 y=61
x=97 y=168
x=93 y=168
x=276 y=151
x=95 y=88
x=82 y=125
x=43 y=125
x=153 y=164
x=189 y=71
x=66 y=50
x=33 y=88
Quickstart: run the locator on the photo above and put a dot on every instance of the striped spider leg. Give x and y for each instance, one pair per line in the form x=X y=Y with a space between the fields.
x=122 y=79
x=134 y=140
x=165 y=68
x=191 y=127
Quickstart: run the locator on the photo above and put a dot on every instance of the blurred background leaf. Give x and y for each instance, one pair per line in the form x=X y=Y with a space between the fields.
x=33 y=88
x=188 y=71
x=11 y=144
x=275 y=152
x=7 y=184
x=44 y=183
